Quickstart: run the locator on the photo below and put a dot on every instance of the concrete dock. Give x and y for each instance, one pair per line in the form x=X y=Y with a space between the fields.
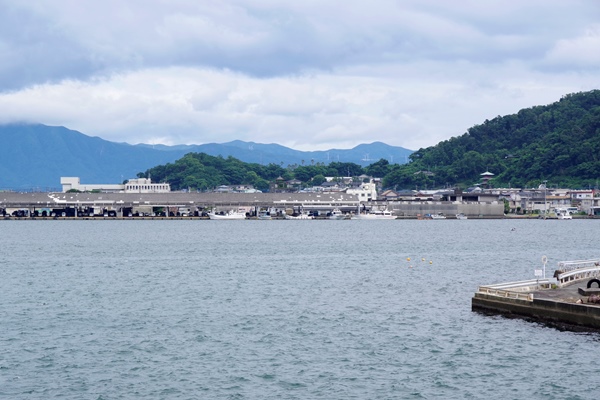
x=567 y=300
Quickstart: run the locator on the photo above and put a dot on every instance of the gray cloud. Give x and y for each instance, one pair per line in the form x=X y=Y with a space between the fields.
x=305 y=74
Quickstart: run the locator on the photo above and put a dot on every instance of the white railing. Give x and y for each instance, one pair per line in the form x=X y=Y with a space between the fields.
x=578 y=274
x=507 y=294
x=522 y=286
x=565 y=266
x=569 y=272
x=516 y=290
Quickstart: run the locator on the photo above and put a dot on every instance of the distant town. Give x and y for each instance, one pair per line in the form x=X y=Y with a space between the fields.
x=349 y=196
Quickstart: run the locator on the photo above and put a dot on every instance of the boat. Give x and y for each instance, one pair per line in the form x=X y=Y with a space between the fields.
x=562 y=213
x=299 y=216
x=435 y=216
x=264 y=215
x=231 y=214
x=461 y=216
x=376 y=214
x=337 y=214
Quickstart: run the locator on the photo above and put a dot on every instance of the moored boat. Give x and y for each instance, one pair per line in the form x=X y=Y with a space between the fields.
x=231 y=214
x=562 y=213
x=264 y=215
x=337 y=214
x=376 y=214
x=435 y=216
x=299 y=216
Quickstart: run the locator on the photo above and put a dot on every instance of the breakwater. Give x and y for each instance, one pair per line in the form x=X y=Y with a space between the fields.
x=567 y=299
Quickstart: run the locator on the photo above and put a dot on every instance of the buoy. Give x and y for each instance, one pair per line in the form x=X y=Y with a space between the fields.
x=423 y=259
x=430 y=262
x=407 y=258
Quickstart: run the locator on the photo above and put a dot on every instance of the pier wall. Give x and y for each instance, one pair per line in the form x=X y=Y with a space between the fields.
x=544 y=310
x=470 y=209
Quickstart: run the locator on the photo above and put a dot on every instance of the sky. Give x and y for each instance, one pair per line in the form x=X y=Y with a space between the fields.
x=310 y=75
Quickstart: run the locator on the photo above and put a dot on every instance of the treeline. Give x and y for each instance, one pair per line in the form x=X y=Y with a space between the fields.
x=558 y=143
x=200 y=171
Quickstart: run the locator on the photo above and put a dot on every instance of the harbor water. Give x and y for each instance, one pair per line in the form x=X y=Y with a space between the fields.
x=283 y=310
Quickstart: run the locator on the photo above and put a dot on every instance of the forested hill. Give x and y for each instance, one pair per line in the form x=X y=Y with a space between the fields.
x=559 y=143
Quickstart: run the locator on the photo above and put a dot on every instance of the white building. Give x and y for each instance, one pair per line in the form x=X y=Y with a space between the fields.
x=138 y=185
x=367 y=191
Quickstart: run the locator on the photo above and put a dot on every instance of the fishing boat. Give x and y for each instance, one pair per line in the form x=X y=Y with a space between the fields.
x=435 y=216
x=264 y=215
x=562 y=213
x=337 y=214
x=231 y=214
x=376 y=214
x=298 y=216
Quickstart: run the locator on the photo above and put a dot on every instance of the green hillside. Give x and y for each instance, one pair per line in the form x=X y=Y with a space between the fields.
x=559 y=143
x=200 y=171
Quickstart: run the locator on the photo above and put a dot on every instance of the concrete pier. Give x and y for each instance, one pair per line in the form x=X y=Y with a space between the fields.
x=121 y=205
x=567 y=300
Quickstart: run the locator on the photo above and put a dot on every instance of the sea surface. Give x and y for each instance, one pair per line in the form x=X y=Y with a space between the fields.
x=283 y=310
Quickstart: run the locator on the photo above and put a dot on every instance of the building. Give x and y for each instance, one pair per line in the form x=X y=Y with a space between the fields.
x=366 y=191
x=138 y=185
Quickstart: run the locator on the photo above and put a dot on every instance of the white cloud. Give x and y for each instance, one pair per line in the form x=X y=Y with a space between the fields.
x=581 y=51
x=309 y=75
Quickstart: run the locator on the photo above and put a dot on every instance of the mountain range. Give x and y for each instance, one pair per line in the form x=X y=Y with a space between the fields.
x=35 y=156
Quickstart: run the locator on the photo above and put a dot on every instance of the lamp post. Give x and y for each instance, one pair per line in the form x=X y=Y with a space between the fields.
x=545 y=203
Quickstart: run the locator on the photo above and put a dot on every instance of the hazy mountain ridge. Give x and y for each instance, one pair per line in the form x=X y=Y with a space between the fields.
x=35 y=156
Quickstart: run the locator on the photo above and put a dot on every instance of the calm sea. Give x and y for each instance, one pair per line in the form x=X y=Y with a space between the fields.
x=283 y=309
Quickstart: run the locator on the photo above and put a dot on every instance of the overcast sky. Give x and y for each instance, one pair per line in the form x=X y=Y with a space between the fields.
x=310 y=74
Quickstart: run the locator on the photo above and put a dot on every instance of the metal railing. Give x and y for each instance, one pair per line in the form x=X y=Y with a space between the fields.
x=516 y=290
x=578 y=274
x=507 y=294
x=565 y=266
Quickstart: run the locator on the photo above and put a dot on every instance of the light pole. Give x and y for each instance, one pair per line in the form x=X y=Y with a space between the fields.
x=545 y=203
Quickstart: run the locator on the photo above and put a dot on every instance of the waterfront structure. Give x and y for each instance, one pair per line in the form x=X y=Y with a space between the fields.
x=367 y=191
x=567 y=299
x=121 y=204
x=138 y=185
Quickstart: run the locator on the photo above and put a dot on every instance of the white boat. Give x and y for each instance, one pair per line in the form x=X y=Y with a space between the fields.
x=264 y=215
x=337 y=214
x=231 y=214
x=376 y=214
x=299 y=216
x=461 y=216
x=562 y=213
x=435 y=216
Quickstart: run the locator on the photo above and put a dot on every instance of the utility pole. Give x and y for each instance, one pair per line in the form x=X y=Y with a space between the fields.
x=545 y=202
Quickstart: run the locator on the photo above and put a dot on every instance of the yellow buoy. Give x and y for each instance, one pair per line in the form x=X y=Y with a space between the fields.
x=430 y=262
x=407 y=258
